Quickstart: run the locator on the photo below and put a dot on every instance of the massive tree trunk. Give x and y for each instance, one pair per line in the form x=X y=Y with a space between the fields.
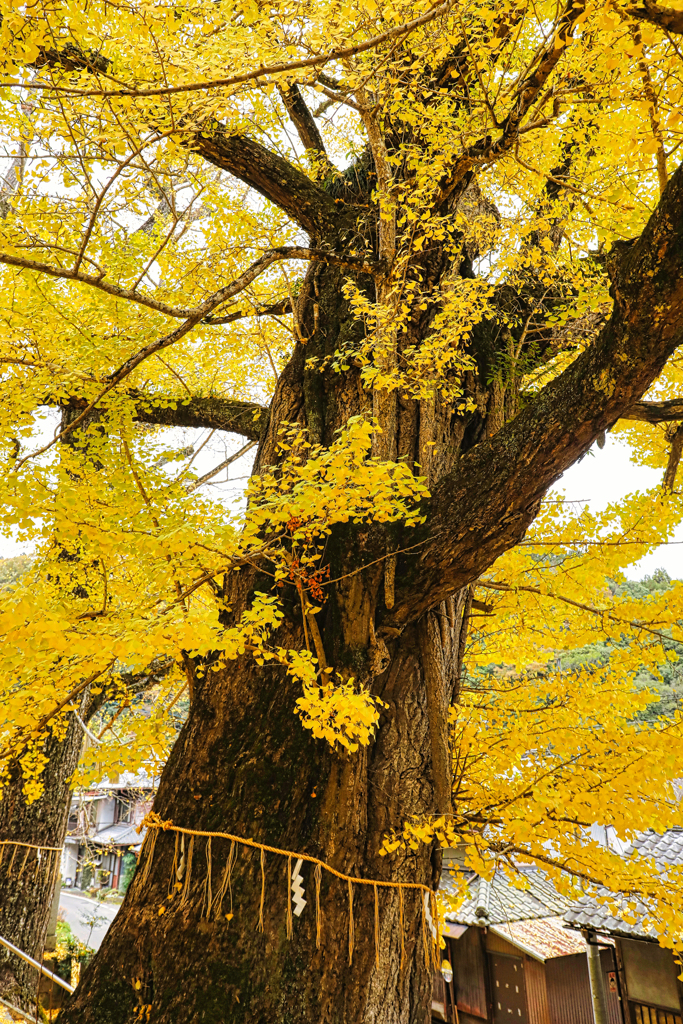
x=28 y=877
x=244 y=765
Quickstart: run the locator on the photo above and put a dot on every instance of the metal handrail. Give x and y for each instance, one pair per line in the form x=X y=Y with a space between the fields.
x=39 y=967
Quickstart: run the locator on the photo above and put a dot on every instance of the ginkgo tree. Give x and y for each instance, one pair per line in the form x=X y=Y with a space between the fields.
x=424 y=256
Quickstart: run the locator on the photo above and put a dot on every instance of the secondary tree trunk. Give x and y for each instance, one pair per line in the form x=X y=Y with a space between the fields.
x=27 y=879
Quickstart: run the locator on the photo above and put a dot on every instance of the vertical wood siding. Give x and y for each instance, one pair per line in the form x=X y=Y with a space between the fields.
x=469 y=970
x=536 y=992
x=569 y=990
x=568 y=986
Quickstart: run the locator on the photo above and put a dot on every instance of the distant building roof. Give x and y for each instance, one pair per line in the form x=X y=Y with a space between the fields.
x=666 y=848
x=529 y=896
x=117 y=835
x=544 y=938
x=588 y=912
x=128 y=780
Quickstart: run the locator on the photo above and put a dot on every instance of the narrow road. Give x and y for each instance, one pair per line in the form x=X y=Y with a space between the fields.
x=80 y=912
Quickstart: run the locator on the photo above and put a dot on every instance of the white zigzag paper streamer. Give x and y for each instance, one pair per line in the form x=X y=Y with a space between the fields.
x=428 y=915
x=298 y=888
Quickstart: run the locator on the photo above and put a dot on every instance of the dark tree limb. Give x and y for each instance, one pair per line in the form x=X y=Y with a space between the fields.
x=675 y=436
x=269 y=174
x=655 y=412
x=303 y=119
x=209 y=412
x=244 y=418
x=274 y=178
x=485 y=505
x=665 y=18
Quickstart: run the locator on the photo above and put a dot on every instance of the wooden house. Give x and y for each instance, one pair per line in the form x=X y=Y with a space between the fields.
x=102 y=839
x=513 y=957
x=647 y=973
x=519 y=954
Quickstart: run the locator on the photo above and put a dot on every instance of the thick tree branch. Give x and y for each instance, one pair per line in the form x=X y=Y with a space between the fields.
x=208 y=413
x=274 y=178
x=655 y=412
x=485 y=505
x=269 y=174
x=303 y=119
x=665 y=18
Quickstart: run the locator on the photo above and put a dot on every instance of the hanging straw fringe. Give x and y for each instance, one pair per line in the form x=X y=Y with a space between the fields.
x=226 y=884
x=150 y=843
x=55 y=870
x=154 y=823
x=290 y=923
x=376 y=926
x=174 y=868
x=317 y=874
x=436 y=945
x=23 y=865
x=27 y=862
x=351 y=933
x=400 y=925
x=425 y=940
x=208 y=898
x=263 y=889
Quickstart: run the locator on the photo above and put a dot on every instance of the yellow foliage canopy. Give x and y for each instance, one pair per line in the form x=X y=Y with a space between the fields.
x=143 y=273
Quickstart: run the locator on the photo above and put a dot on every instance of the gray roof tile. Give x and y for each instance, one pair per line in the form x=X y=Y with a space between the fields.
x=589 y=913
x=667 y=849
x=501 y=900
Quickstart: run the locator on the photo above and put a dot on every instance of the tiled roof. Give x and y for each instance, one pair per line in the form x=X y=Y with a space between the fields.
x=588 y=912
x=666 y=848
x=128 y=780
x=546 y=937
x=502 y=900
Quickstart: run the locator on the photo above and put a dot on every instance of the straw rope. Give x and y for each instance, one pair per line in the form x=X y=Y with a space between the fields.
x=32 y=846
x=155 y=824
x=154 y=821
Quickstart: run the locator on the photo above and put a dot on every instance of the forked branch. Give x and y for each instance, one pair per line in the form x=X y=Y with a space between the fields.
x=485 y=505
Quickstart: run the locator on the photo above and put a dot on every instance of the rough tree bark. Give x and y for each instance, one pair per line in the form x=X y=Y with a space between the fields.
x=243 y=763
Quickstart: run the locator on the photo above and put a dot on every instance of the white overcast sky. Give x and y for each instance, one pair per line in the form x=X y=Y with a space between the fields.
x=607 y=476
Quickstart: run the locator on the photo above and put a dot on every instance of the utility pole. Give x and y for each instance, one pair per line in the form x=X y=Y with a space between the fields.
x=596 y=978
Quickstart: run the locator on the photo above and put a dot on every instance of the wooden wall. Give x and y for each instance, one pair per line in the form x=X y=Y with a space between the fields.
x=470 y=973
